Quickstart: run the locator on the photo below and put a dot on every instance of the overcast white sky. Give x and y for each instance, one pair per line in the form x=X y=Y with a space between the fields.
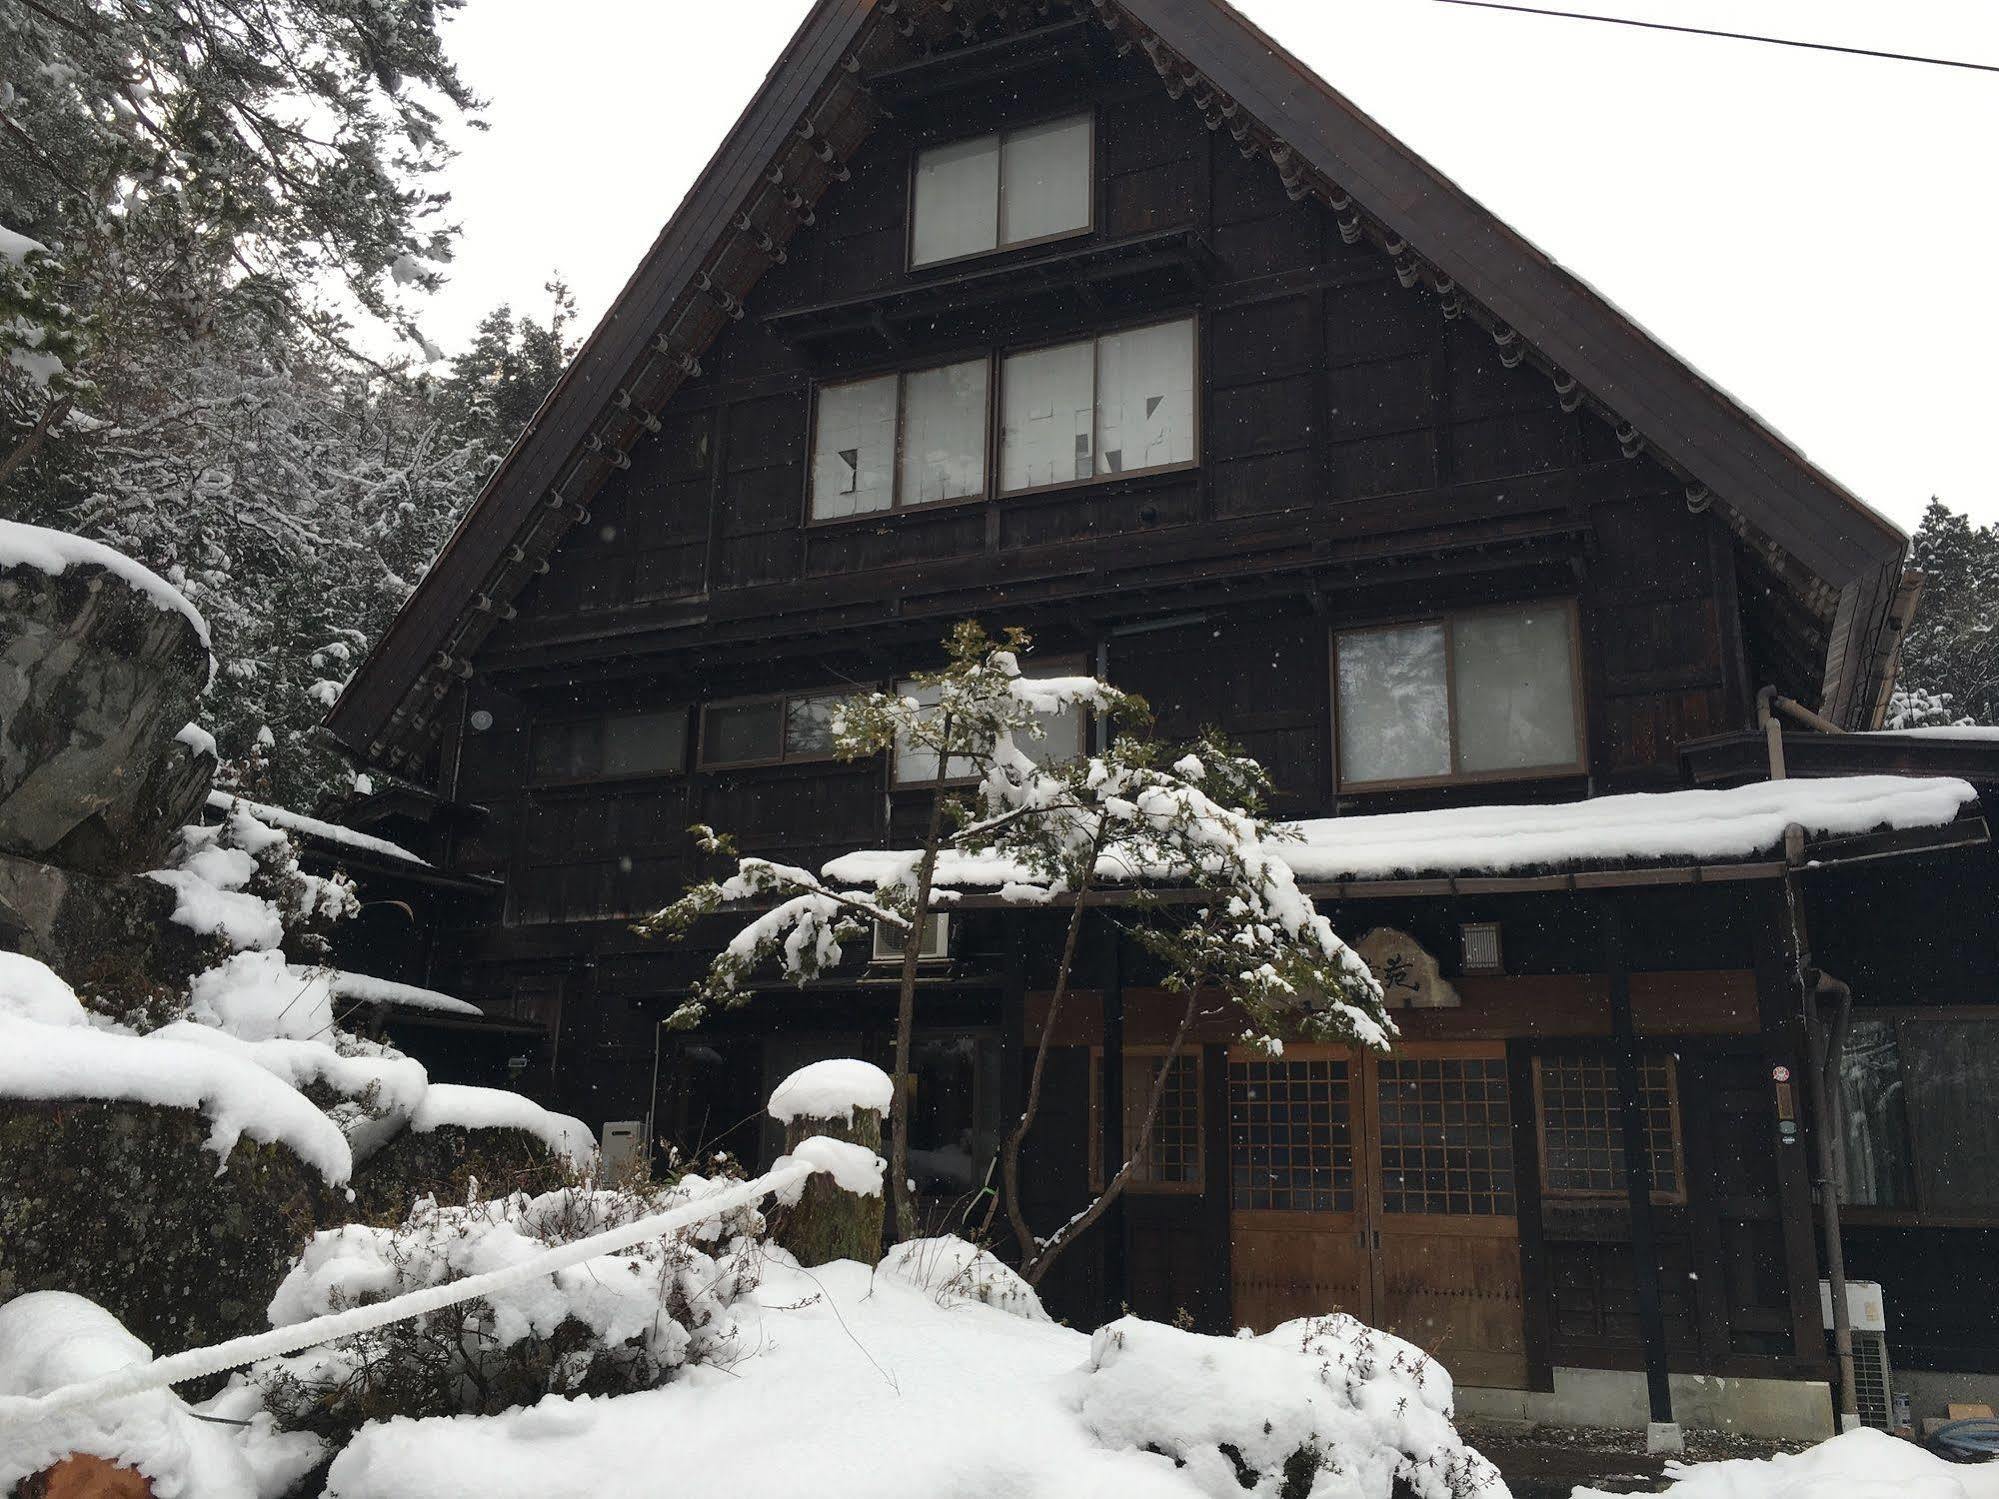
x=1815 y=232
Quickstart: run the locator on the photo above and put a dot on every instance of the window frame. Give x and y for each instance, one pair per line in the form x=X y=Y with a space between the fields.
x=1919 y=1216
x=1578 y=699
x=1147 y=1185
x=913 y=266
x=1056 y=666
x=783 y=757
x=536 y=782
x=900 y=374
x=1676 y=1198
x=996 y=355
x=997 y=435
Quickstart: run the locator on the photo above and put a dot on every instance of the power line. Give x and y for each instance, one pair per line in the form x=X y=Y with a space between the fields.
x=1737 y=36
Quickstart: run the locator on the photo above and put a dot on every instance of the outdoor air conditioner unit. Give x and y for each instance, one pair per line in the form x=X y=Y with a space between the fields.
x=936 y=941
x=1867 y=1315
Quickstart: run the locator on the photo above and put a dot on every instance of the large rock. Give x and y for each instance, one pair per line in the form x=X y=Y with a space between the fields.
x=96 y=681
x=122 y=1203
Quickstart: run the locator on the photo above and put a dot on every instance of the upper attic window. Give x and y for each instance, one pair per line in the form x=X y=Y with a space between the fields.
x=993 y=192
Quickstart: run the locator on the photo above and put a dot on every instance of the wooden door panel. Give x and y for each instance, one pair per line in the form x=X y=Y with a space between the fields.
x=1456 y=1294
x=1300 y=1267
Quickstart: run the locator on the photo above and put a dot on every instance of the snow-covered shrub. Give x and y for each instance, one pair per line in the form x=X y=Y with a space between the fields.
x=1323 y=1405
x=953 y=1271
x=465 y=1142
x=615 y=1324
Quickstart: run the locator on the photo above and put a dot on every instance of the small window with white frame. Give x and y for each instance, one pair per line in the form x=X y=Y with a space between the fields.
x=1063 y=733
x=1120 y=403
x=773 y=730
x=1002 y=190
x=893 y=441
x=1489 y=694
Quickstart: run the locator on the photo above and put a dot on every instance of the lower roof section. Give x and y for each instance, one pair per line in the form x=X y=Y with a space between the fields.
x=1640 y=838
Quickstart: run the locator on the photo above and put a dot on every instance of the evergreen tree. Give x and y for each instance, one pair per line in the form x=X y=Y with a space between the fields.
x=1950 y=654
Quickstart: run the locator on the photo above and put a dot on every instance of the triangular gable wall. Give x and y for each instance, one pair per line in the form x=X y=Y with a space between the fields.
x=1836 y=560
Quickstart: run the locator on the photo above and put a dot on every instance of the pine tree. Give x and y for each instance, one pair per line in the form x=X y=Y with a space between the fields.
x=1950 y=654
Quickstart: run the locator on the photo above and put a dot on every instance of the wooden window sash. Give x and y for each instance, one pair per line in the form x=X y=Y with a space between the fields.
x=1678 y=1197
x=1456 y=777
x=1137 y=1182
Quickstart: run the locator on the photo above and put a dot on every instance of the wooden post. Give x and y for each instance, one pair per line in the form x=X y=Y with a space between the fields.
x=828 y=1222
x=844 y=1101
x=85 y=1477
x=1637 y=1169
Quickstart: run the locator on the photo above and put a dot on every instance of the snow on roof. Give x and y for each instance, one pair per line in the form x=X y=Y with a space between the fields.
x=312 y=827
x=365 y=988
x=831 y=1089
x=237 y=1097
x=495 y=1108
x=1651 y=827
x=1947 y=731
x=1640 y=827
x=55 y=552
x=16 y=247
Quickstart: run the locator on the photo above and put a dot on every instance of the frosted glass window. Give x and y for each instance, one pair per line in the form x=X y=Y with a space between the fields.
x=975 y=196
x=1145 y=398
x=956 y=207
x=944 y=433
x=1394 y=706
x=853 y=448
x=1515 y=690
x=917 y=763
x=1045 y=172
x=1048 y=404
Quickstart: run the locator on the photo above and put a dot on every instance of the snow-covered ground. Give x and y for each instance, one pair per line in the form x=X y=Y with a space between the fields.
x=1858 y=1465
x=906 y=1381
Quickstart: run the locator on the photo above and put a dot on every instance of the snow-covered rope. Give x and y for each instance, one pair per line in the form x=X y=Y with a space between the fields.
x=237 y=1353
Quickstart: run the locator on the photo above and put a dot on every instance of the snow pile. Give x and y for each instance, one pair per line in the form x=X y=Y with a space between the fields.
x=446 y=1104
x=312 y=827
x=952 y=1271
x=1324 y=1393
x=30 y=990
x=49 y=1339
x=832 y=1089
x=366 y=989
x=1863 y=1464
x=55 y=552
x=259 y=997
x=858 y=1384
x=87 y=1058
x=1738 y=823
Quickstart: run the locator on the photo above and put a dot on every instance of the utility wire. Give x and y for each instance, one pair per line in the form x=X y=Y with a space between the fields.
x=1738 y=36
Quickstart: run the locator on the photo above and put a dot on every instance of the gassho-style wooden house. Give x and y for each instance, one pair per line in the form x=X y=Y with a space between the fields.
x=1112 y=320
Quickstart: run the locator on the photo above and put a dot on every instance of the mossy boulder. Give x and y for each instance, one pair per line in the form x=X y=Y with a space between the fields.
x=446 y=1163
x=122 y=1202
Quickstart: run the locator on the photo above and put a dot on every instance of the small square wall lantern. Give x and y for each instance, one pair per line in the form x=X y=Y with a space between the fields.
x=1481 y=947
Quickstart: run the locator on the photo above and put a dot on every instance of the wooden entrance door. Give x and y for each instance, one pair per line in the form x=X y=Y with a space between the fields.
x=1383 y=1187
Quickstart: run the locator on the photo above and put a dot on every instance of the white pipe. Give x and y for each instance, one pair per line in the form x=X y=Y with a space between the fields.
x=200 y=1363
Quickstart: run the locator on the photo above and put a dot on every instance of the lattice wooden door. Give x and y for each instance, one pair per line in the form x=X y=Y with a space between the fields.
x=1381 y=1187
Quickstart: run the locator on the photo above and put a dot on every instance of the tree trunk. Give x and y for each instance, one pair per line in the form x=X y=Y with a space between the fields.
x=1077 y=1226
x=52 y=415
x=905 y=1009
x=1010 y=1155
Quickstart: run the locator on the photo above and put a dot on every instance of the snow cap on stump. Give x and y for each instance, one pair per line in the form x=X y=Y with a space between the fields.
x=832 y=1089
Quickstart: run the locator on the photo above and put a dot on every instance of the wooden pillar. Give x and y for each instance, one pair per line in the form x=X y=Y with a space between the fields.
x=1637 y=1165
x=1110 y=1123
